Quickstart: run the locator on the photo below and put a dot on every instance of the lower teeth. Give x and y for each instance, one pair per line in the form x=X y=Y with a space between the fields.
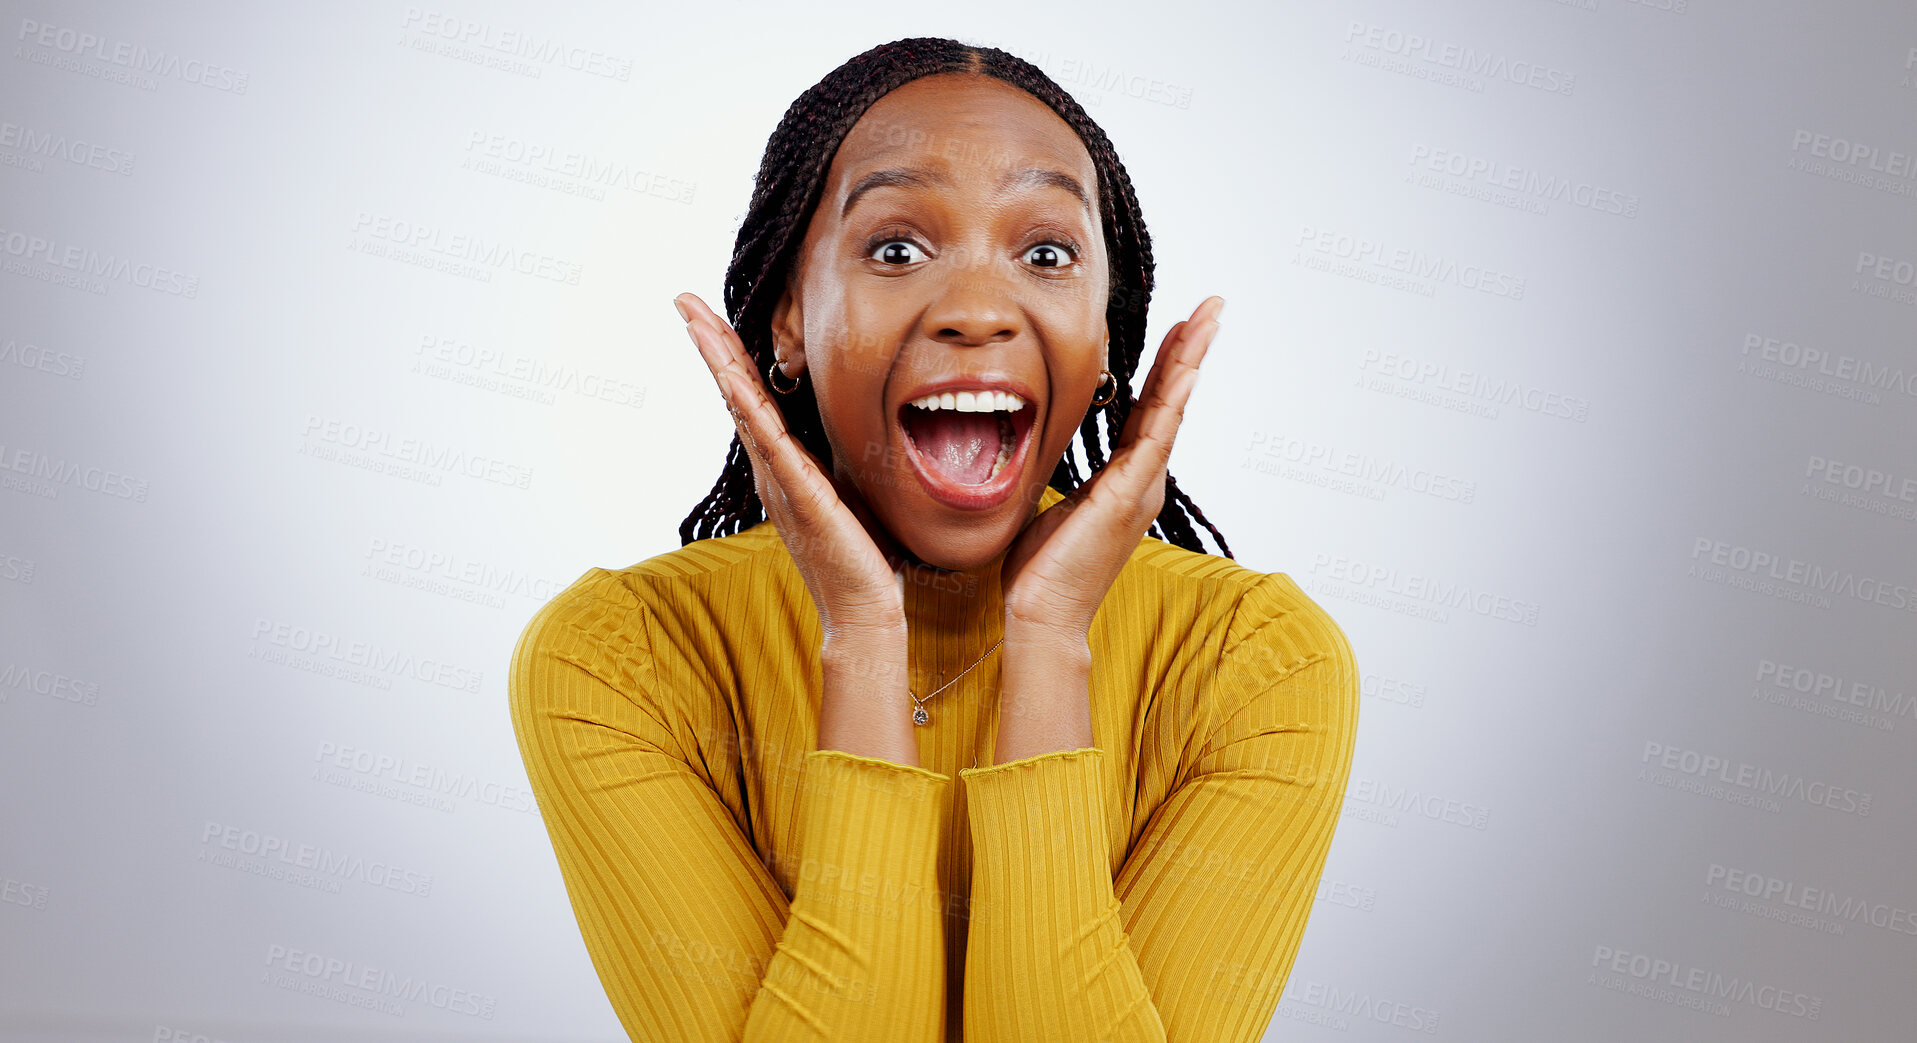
x=1005 y=439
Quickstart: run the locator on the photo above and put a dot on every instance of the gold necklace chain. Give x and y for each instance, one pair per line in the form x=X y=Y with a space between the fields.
x=919 y=716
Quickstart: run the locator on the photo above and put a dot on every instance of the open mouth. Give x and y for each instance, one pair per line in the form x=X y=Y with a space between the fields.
x=968 y=441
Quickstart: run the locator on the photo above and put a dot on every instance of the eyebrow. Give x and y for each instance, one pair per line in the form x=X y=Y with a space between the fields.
x=901 y=177
x=1039 y=176
x=905 y=177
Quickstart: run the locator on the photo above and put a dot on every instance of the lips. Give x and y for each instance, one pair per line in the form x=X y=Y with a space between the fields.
x=935 y=477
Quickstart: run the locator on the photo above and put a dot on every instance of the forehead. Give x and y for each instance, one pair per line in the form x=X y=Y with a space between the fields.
x=960 y=124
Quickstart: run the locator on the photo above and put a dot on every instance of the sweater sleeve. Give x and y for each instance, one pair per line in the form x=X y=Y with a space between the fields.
x=1194 y=936
x=692 y=938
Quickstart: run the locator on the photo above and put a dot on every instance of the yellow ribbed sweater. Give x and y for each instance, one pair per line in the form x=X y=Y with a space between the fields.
x=732 y=881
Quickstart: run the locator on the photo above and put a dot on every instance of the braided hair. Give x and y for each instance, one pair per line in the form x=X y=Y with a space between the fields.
x=786 y=191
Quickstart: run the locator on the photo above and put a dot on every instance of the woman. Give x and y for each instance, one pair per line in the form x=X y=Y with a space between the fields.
x=905 y=738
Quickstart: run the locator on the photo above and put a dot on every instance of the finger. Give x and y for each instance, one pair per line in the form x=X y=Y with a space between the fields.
x=1187 y=342
x=881 y=537
x=1172 y=337
x=724 y=357
x=1174 y=372
x=1163 y=410
x=1177 y=339
x=784 y=462
x=1135 y=476
x=718 y=345
x=732 y=370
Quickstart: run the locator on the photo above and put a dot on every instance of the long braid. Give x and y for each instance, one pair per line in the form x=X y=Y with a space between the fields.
x=786 y=191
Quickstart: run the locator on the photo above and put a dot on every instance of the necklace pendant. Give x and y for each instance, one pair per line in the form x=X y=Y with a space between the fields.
x=919 y=716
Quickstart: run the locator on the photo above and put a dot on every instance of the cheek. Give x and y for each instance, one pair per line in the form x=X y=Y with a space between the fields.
x=849 y=380
x=1071 y=399
x=864 y=348
x=1077 y=369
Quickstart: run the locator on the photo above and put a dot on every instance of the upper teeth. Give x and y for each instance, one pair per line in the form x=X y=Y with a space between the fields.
x=972 y=402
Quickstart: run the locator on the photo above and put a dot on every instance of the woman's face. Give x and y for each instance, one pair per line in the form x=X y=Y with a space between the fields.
x=957 y=245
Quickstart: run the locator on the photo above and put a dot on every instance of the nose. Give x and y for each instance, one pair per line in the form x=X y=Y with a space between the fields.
x=976 y=304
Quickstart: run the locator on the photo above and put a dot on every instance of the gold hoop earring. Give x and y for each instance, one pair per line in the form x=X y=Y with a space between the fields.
x=772 y=375
x=1106 y=377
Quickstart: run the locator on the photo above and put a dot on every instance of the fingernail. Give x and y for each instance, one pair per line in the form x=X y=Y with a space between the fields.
x=681 y=309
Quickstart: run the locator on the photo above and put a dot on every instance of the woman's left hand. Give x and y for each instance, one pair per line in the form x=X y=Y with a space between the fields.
x=1059 y=567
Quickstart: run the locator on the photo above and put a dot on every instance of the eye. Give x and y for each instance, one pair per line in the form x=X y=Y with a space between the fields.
x=1051 y=255
x=895 y=251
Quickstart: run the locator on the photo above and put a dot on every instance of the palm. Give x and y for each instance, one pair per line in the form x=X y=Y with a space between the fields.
x=1057 y=570
x=840 y=558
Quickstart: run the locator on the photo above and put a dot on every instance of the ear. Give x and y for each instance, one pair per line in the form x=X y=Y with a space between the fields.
x=788 y=332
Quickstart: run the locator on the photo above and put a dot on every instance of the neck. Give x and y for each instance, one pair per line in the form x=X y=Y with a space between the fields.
x=955 y=606
x=956 y=609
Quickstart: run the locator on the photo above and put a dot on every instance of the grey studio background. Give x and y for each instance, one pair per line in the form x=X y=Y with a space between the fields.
x=1570 y=363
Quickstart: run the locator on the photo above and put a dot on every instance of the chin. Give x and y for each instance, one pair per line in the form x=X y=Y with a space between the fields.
x=963 y=550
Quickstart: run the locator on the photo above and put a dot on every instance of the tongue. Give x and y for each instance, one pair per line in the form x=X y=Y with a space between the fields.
x=960 y=446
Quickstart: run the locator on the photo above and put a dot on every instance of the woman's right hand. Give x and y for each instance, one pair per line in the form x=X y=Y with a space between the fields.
x=858 y=592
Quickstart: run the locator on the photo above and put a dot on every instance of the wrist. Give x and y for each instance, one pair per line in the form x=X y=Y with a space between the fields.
x=1048 y=642
x=864 y=709
x=1044 y=705
x=869 y=662
x=845 y=640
